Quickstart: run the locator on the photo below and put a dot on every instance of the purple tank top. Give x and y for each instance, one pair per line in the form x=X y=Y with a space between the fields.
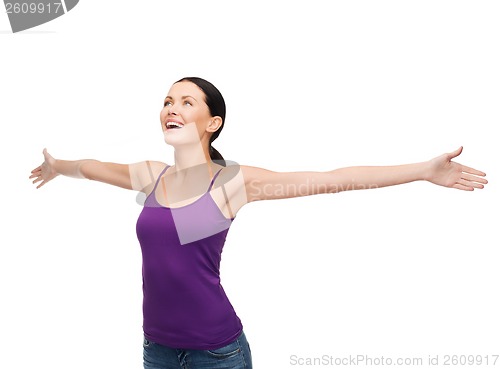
x=184 y=303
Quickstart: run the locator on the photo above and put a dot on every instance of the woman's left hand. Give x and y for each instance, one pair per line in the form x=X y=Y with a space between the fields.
x=444 y=172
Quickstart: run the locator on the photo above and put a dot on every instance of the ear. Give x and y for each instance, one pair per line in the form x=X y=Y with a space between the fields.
x=214 y=124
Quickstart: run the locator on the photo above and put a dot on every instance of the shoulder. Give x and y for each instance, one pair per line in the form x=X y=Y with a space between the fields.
x=251 y=173
x=236 y=179
x=228 y=172
x=146 y=172
x=156 y=167
x=244 y=173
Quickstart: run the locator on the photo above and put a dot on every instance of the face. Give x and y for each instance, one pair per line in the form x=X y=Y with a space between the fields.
x=185 y=117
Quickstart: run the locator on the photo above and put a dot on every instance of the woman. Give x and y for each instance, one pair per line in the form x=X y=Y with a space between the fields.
x=189 y=207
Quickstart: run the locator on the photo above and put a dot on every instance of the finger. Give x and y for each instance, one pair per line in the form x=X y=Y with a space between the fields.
x=472 y=171
x=455 y=153
x=472 y=178
x=41 y=184
x=37 y=168
x=462 y=187
x=470 y=184
x=37 y=180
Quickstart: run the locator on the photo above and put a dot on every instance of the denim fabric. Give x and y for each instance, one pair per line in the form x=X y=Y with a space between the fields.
x=235 y=355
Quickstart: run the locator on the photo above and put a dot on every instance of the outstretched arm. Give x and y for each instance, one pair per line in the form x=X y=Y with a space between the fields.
x=263 y=184
x=135 y=176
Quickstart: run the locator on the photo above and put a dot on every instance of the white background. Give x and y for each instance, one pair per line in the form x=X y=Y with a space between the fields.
x=405 y=271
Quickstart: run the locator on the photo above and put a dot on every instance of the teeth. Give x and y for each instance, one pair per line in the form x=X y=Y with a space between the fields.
x=173 y=124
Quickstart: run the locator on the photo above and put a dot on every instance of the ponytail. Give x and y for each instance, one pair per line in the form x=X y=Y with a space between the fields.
x=216 y=156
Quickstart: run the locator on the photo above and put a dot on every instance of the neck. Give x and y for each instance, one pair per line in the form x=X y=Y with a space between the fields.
x=191 y=156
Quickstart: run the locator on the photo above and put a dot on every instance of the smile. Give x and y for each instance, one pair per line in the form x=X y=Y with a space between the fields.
x=173 y=125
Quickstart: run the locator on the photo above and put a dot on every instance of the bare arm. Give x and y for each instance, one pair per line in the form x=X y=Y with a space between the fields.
x=262 y=184
x=135 y=176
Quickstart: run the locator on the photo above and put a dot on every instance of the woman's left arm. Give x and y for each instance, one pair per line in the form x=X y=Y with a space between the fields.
x=262 y=184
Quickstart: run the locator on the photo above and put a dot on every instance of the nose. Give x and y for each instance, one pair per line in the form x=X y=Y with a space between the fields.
x=171 y=111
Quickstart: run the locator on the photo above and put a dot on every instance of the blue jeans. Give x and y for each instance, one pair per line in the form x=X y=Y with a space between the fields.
x=236 y=355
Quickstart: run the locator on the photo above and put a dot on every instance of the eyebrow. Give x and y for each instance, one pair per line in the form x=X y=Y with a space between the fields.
x=183 y=97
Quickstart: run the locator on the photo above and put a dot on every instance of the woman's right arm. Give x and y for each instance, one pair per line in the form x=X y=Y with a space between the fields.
x=137 y=176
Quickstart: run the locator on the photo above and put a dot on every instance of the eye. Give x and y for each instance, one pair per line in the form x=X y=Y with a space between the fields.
x=167 y=103
x=188 y=103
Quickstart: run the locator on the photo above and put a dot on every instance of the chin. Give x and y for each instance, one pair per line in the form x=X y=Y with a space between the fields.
x=168 y=140
x=174 y=142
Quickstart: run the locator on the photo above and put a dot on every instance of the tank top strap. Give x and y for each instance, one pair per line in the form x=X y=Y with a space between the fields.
x=213 y=179
x=158 y=179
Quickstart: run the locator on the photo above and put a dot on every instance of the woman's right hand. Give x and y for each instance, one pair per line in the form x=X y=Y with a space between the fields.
x=46 y=171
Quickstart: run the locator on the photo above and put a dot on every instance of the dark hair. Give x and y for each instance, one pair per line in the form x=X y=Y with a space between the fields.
x=216 y=106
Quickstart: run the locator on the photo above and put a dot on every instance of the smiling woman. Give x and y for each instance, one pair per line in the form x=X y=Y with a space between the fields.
x=189 y=208
x=185 y=104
